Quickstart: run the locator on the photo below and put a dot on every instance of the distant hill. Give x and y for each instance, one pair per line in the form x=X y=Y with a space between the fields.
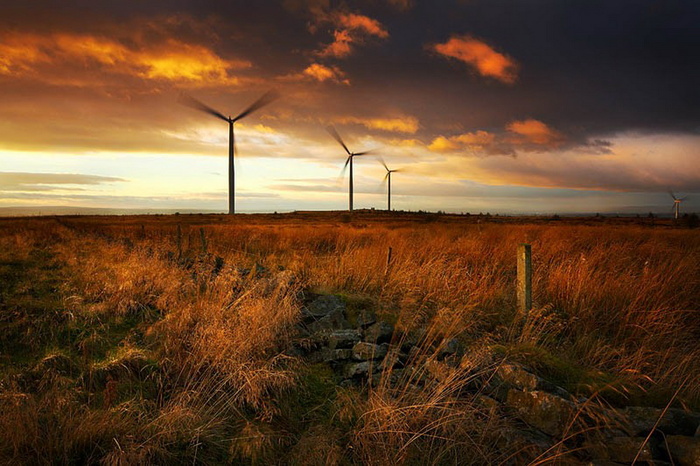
x=66 y=210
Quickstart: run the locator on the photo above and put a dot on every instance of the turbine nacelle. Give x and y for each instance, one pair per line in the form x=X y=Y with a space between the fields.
x=387 y=179
x=348 y=161
x=677 y=204
x=264 y=100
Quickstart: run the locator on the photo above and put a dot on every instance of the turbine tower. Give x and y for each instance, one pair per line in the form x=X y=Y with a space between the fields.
x=677 y=204
x=387 y=178
x=348 y=161
x=267 y=98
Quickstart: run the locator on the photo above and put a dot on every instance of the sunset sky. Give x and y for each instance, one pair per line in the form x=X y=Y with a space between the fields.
x=510 y=106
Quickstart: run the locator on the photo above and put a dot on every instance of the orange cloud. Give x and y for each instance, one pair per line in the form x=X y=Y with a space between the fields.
x=325 y=73
x=172 y=60
x=407 y=124
x=481 y=56
x=477 y=140
x=20 y=53
x=351 y=29
x=352 y=21
x=320 y=73
x=535 y=132
x=406 y=142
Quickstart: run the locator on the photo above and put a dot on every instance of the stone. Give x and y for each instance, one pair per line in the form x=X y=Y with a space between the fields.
x=341 y=354
x=333 y=320
x=451 y=347
x=358 y=369
x=518 y=377
x=365 y=318
x=549 y=413
x=379 y=332
x=330 y=355
x=622 y=450
x=685 y=451
x=487 y=402
x=641 y=420
x=363 y=351
x=438 y=370
x=527 y=445
x=324 y=305
x=343 y=338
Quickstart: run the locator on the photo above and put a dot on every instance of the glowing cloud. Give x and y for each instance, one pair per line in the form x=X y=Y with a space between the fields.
x=362 y=23
x=320 y=73
x=172 y=60
x=481 y=56
x=407 y=124
x=351 y=29
x=477 y=140
x=535 y=132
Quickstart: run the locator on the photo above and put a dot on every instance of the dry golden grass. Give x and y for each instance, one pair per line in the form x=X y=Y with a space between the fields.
x=200 y=352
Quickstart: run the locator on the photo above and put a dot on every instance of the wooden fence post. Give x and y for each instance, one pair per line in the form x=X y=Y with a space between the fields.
x=524 y=278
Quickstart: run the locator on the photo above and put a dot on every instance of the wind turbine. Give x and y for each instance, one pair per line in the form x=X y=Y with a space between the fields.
x=677 y=203
x=351 y=155
x=387 y=178
x=267 y=98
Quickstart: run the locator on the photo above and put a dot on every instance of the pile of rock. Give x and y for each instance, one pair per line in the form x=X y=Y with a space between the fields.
x=358 y=348
x=355 y=350
x=605 y=436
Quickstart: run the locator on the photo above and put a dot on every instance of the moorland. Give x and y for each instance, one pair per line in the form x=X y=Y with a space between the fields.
x=172 y=339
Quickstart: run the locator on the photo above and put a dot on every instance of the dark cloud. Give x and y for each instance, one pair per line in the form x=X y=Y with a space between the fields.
x=569 y=77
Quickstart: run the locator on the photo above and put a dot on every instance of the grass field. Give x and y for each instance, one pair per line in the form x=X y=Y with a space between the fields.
x=123 y=341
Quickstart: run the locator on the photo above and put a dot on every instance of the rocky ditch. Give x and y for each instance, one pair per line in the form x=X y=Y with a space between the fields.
x=359 y=346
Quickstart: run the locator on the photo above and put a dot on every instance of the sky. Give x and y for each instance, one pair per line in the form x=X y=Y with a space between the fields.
x=500 y=106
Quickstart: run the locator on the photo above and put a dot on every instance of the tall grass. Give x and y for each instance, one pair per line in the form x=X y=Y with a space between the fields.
x=206 y=367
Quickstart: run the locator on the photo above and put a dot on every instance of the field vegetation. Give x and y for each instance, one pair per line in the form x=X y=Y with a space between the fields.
x=123 y=341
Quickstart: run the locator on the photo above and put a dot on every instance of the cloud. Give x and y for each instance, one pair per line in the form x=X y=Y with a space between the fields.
x=361 y=23
x=477 y=140
x=320 y=73
x=30 y=54
x=535 y=132
x=525 y=135
x=32 y=182
x=406 y=124
x=351 y=29
x=481 y=56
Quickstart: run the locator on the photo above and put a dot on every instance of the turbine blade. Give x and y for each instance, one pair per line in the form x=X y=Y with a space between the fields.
x=331 y=130
x=399 y=170
x=191 y=102
x=683 y=198
x=672 y=195
x=365 y=152
x=267 y=98
x=382 y=186
x=345 y=167
x=381 y=160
